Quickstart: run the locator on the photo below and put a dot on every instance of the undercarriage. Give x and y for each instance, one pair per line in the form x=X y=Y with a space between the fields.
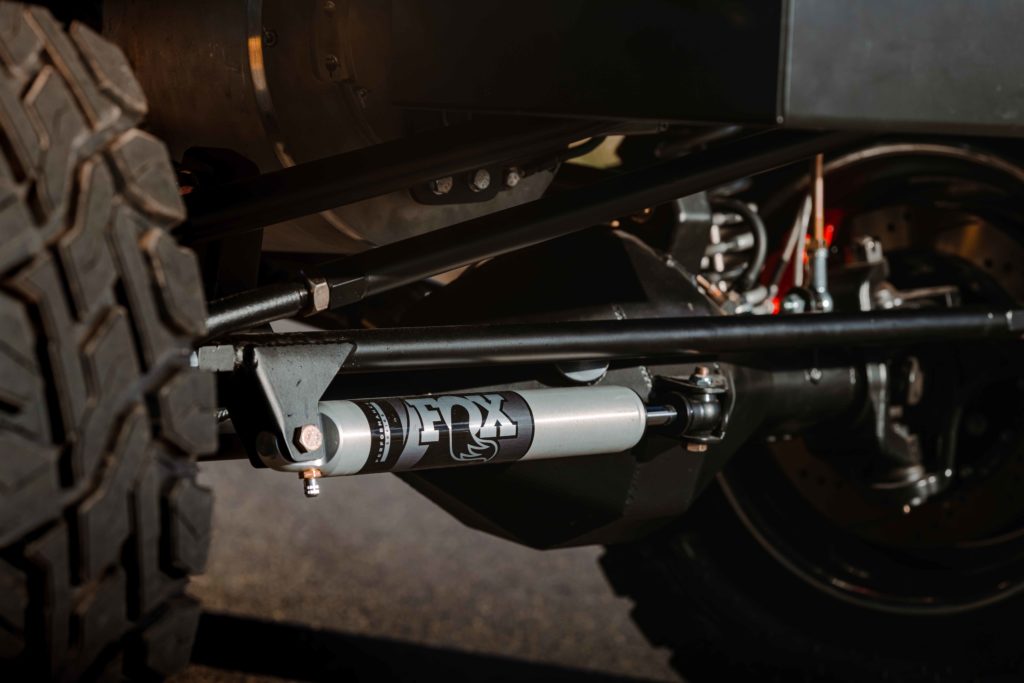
x=751 y=319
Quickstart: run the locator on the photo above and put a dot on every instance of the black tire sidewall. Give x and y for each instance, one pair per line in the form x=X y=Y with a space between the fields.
x=760 y=618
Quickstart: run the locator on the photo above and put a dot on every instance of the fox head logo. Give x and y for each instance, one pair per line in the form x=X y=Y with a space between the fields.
x=474 y=424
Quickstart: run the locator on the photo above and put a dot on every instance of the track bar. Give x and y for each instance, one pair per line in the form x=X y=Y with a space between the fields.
x=386 y=268
x=467 y=346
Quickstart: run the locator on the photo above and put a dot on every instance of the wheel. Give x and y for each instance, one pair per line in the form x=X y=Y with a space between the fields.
x=788 y=567
x=101 y=518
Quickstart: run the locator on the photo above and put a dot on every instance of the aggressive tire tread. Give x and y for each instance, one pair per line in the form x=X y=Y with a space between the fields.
x=101 y=519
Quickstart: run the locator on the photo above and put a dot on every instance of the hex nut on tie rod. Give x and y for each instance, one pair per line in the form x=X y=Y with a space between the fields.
x=319 y=296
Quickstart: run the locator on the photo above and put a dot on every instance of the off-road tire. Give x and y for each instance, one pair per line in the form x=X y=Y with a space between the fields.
x=101 y=518
x=706 y=590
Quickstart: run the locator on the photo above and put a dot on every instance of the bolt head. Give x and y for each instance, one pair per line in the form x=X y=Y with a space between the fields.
x=694 y=447
x=309 y=438
x=702 y=376
x=512 y=177
x=442 y=186
x=480 y=180
x=321 y=295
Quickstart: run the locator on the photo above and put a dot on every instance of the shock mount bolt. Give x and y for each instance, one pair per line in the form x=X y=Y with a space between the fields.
x=309 y=438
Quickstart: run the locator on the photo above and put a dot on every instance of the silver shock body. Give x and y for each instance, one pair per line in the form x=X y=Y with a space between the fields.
x=401 y=434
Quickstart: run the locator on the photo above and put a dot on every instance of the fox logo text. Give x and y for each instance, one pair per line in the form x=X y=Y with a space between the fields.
x=472 y=425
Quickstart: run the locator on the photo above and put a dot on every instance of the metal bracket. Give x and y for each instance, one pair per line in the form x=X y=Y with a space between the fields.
x=690 y=235
x=276 y=399
x=704 y=403
x=904 y=477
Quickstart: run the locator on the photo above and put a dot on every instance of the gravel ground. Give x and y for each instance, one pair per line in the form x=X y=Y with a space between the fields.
x=373 y=582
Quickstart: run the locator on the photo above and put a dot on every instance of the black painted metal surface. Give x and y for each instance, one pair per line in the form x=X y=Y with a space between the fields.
x=256 y=307
x=477 y=345
x=401 y=263
x=692 y=60
x=347 y=178
x=938 y=65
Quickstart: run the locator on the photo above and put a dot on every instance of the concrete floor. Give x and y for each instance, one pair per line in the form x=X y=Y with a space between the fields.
x=373 y=582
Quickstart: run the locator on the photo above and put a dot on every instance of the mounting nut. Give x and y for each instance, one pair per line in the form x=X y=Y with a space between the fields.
x=702 y=376
x=442 y=186
x=513 y=176
x=696 y=447
x=319 y=296
x=480 y=180
x=309 y=438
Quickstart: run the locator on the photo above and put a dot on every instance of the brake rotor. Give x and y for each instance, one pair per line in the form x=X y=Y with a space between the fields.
x=936 y=222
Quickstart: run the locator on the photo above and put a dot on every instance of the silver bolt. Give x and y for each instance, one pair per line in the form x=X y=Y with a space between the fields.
x=480 y=180
x=329 y=6
x=793 y=303
x=512 y=177
x=702 y=376
x=814 y=375
x=320 y=299
x=442 y=186
x=310 y=482
x=309 y=438
x=694 y=447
